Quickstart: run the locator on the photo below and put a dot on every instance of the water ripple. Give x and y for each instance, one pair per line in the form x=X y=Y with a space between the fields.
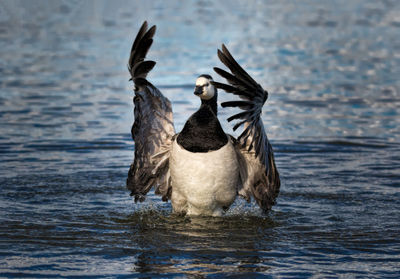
x=331 y=70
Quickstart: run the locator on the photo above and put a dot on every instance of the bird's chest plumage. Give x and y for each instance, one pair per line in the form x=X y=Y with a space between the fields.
x=203 y=182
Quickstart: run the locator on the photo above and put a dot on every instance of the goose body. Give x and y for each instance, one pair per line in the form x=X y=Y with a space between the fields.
x=204 y=183
x=201 y=169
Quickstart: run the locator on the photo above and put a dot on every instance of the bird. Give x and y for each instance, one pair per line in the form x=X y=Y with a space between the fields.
x=201 y=169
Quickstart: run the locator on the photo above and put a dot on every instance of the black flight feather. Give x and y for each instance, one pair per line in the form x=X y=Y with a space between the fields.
x=139 y=36
x=142 y=68
x=245 y=105
x=140 y=47
x=235 y=67
x=239 y=73
x=240 y=115
x=231 y=89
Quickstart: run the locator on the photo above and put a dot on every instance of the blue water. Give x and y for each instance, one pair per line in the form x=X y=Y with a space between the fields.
x=333 y=116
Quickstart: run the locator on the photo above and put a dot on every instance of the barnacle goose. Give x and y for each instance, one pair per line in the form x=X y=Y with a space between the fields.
x=201 y=169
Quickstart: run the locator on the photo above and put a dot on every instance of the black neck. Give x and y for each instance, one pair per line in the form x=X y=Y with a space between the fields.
x=212 y=103
x=202 y=131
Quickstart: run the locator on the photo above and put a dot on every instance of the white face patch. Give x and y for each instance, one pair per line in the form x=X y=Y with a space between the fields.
x=208 y=88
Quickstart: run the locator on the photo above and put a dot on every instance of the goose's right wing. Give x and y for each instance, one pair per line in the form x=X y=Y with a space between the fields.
x=258 y=172
x=153 y=129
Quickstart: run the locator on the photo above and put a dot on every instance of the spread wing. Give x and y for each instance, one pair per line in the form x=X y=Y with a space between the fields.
x=258 y=172
x=153 y=129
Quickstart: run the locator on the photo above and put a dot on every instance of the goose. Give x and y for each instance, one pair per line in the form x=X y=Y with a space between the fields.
x=201 y=170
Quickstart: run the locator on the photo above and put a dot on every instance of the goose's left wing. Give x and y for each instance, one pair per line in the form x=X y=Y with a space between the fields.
x=258 y=172
x=153 y=129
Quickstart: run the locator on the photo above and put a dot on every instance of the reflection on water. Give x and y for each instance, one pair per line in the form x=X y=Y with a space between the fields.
x=332 y=71
x=201 y=246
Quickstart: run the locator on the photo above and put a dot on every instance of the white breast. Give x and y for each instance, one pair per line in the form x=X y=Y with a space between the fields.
x=203 y=183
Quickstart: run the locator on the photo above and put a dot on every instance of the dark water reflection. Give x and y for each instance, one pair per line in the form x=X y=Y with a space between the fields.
x=332 y=71
x=203 y=246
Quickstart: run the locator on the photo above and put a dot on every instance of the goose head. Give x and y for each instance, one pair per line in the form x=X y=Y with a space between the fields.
x=204 y=89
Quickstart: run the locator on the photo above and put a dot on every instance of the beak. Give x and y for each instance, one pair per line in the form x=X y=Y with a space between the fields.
x=198 y=90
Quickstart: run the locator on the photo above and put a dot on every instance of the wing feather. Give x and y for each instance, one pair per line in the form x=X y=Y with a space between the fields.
x=258 y=172
x=153 y=129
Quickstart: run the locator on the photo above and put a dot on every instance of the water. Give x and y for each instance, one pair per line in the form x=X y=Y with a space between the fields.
x=332 y=70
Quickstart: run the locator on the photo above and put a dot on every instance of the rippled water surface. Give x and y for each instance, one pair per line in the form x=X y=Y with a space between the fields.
x=332 y=69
